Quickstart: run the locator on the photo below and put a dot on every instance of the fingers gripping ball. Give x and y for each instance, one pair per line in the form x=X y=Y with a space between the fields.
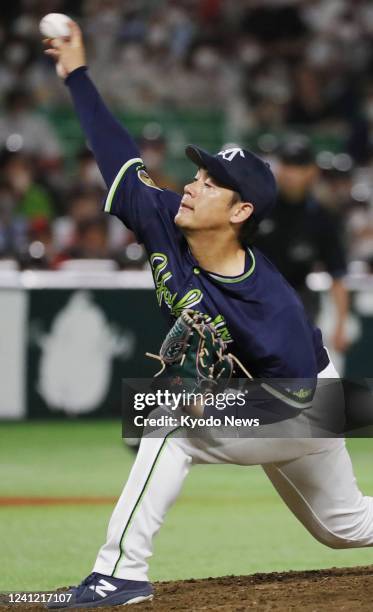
x=55 y=25
x=67 y=51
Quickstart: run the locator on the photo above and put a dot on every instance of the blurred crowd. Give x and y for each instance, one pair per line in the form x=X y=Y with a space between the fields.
x=276 y=67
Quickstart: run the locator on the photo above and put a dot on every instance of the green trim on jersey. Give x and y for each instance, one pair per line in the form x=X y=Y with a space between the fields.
x=236 y=279
x=118 y=178
x=296 y=399
x=143 y=491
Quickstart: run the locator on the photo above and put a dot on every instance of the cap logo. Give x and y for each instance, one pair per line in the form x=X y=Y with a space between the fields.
x=230 y=154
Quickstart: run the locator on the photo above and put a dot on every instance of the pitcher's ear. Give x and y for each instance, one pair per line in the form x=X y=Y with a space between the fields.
x=241 y=212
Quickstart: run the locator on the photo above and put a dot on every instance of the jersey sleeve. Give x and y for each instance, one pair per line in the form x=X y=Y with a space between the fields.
x=140 y=204
x=294 y=339
x=133 y=197
x=293 y=372
x=110 y=142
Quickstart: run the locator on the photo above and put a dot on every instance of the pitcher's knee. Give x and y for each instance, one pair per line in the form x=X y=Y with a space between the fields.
x=348 y=527
x=332 y=540
x=344 y=537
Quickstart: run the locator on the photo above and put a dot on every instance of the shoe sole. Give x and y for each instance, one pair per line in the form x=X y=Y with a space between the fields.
x=136 y=600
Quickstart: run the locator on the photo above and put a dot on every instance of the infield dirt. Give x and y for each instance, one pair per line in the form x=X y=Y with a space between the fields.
x=345 y=590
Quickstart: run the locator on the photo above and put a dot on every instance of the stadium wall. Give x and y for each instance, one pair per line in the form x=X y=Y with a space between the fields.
x=69 y=339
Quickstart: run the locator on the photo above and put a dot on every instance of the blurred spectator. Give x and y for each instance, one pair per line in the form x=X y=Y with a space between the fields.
x=267 y=65
x=23 y=129
x=319 y=46
x=83 y=205
x=86 y=172
x=153 y=149
x=13 y=226
x=301 y=235
x=275 y=23
x=19 y=171
x=90 y=241
x=360 y=221
x=360 y=225
x=360 y=141
x=41 y=252
x=335 y=186
x=308 y=104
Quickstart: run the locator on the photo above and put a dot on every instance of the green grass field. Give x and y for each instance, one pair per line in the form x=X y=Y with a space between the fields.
x=228 y=519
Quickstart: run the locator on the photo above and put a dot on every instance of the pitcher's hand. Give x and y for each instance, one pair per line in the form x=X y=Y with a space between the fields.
x=68 y=53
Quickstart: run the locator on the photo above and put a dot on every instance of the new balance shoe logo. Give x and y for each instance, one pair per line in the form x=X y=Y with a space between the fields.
x=103 y=587
x=229 y=154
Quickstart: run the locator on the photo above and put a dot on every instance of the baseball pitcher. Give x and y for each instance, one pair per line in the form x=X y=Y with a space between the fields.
x=200 y=250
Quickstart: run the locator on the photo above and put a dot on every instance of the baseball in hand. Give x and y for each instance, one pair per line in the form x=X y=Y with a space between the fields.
x=55 y=25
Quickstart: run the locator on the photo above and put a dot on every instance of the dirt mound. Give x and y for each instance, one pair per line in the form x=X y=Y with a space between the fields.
x=325 y=590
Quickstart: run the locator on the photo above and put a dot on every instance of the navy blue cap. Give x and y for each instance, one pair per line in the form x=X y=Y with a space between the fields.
x=241 y=171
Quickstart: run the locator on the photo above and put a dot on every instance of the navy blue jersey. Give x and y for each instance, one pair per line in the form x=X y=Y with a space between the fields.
x=257 y=313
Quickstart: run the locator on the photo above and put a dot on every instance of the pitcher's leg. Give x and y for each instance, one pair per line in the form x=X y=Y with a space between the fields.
x=321 y=490
x=153 y=485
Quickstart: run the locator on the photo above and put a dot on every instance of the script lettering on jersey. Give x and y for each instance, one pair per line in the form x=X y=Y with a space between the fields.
x=159 y=263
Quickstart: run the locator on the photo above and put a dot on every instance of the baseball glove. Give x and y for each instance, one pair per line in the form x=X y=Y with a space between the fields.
x=193 y=356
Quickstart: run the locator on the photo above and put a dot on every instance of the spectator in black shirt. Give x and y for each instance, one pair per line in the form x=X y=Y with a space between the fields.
x=301 y=235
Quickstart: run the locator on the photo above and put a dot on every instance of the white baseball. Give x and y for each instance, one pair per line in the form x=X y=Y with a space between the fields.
x=55 y=25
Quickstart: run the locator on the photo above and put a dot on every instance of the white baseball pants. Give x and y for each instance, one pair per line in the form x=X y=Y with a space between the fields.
x=313 y=476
